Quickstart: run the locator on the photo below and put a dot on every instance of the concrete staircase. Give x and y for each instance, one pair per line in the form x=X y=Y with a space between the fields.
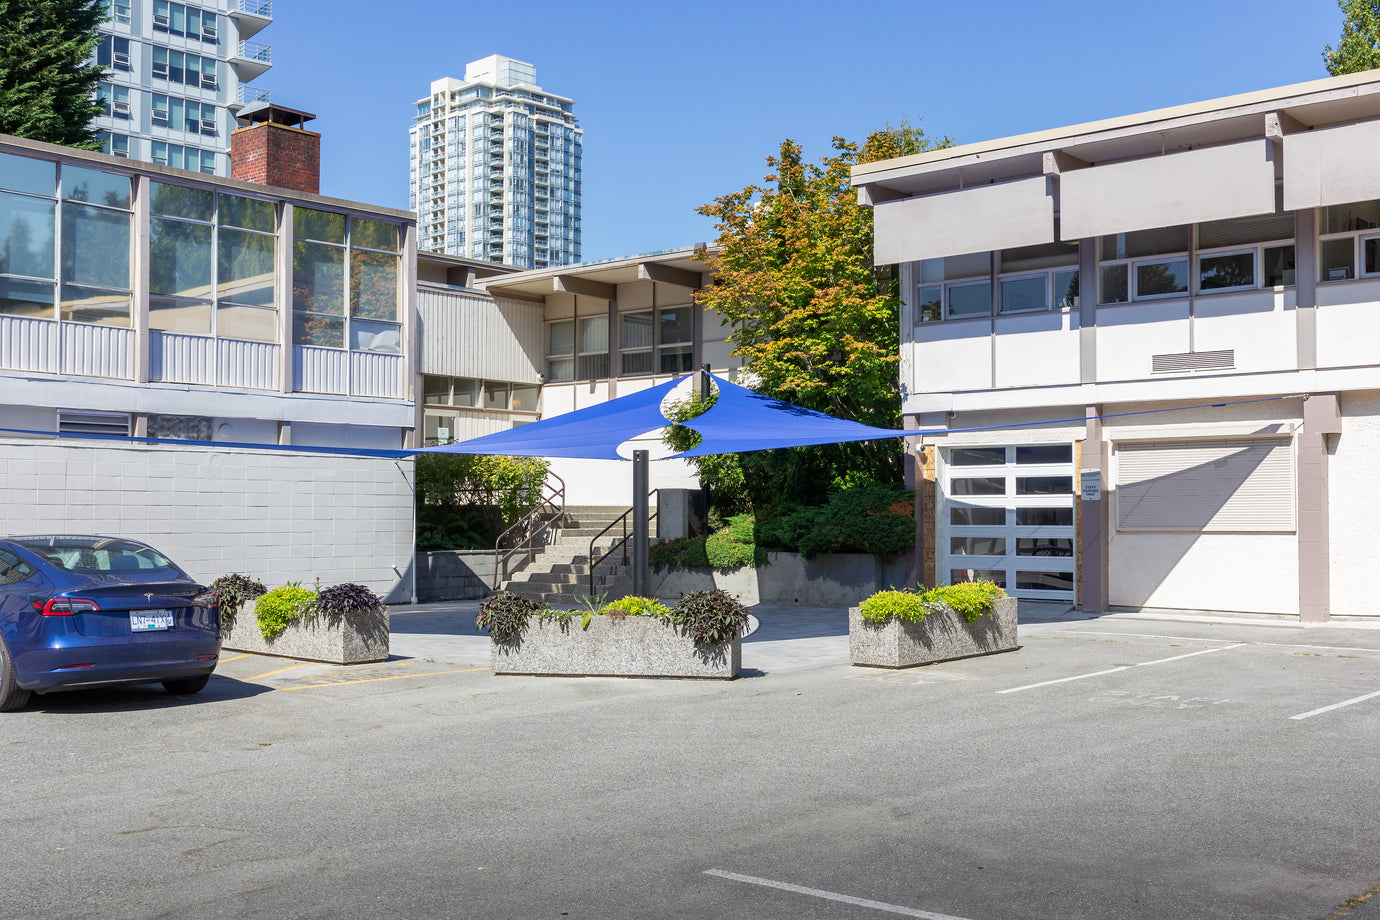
x=559 y=574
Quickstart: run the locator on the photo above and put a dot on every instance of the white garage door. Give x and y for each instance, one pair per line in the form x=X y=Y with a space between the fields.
x=1240 y=485
x=1006 y=516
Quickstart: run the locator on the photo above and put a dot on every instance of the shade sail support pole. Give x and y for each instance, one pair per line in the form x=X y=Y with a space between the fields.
x=641 y=470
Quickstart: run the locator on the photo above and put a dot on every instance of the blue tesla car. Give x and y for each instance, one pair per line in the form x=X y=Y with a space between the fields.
x=79 y=612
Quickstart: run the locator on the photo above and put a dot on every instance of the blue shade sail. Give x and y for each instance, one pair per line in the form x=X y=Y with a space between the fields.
x=590 y=434
x=739 y=421
x=742 y=421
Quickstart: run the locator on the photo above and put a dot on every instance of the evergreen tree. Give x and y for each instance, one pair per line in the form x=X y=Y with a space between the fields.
x=47 y=80
x=1359 y=47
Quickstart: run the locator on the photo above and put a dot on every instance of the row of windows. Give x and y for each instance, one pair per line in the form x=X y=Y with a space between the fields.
x=185 y=68
x=1242 y=254
x=185 y=21
x=66 y=239
x=467 y=393
x=649 y=342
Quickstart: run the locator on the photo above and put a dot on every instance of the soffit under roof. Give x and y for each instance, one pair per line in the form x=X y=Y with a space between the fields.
x=539 y=283
x=1336 y=100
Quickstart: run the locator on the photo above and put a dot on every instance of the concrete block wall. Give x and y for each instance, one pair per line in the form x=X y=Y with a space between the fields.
x=278 y=517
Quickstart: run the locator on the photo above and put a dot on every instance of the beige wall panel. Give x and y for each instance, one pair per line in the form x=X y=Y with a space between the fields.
x=1215 y=183
x=1130 y=335
x=474 y=335
x=1037 y=349
x=1254 y=573
x=560 y=306
x=1331 y=166
x=970 y=220
x=951 y=356
x=635 y=295
x=1261 y=327
x=1348 y=323
x=1354 y=506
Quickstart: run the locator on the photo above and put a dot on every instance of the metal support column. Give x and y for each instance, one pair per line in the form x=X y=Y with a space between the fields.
x=640 y=514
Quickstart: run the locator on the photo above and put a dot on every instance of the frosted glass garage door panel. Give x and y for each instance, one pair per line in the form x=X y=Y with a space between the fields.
x=1331 y=166
x=969 y=220
x=952 y=355
x=1217 y=183
x=1037 y=349
x=1128 y=337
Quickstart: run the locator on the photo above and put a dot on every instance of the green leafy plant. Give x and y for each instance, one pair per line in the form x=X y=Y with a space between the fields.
x=278 y=609
x=867 y=519
x=342 y=600
x=709 y=617
x=233 y=590
x=589 y=605
x=505 y=614
x=903 y=605
x=686 y=551
x=970 y=599
x=634 y=606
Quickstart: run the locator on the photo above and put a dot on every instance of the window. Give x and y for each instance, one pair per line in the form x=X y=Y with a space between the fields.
x=1130 y=270
x=113 y=52
x=342 y=262
x=655 y=342
x=954 y=287
x=442 y=393
x=1038 y=278
x=94 y=259
x=211 y=263
x=1349 y=235
x=578 y=349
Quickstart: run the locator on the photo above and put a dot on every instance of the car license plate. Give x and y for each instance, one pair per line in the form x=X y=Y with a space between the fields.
x=150 y=620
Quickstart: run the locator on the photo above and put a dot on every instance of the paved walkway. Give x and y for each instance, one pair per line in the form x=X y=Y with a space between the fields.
x=784 y=637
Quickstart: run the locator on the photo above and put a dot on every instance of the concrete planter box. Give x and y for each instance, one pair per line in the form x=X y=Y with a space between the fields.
x=354 y=639
x=614 y=647
x=941 y=636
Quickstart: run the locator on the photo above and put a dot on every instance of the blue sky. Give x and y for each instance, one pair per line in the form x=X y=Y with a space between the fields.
x=682 y=102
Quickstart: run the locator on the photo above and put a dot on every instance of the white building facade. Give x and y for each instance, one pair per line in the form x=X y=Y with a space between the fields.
x=1149 y=346
x=495 y=168
x=177 y=72
x=139 y=301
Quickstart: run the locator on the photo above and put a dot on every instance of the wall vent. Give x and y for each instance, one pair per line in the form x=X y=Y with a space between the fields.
x=1223 y=360
x=109 y=423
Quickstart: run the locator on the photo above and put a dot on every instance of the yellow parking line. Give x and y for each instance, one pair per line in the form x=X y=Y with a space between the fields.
x=371 y=680
x=236 y=658
x=300 y=664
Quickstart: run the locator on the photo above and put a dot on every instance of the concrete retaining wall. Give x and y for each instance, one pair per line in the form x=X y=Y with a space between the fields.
x=830 y=580
x=454 y=574
x=355 y=639
x=614 y=647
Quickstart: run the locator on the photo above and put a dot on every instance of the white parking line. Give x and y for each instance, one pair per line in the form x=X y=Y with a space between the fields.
x=1318 y=648
x=831 y=896
x=1123 y=667
x=1318 y=712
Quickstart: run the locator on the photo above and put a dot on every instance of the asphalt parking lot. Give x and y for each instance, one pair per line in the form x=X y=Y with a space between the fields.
x=1116 y=767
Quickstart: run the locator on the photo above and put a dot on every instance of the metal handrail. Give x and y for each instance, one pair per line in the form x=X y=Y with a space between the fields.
x=547 y=511
x=622 y=542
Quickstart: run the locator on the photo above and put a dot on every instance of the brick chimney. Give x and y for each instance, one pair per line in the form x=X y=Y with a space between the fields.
x=275 y=149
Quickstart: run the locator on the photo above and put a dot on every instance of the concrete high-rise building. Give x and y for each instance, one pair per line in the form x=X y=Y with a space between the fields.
x=177 y=74
x=495 y=168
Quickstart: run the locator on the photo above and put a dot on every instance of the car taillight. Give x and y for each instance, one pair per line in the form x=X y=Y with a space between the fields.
x=64 y=606
x=206 y=599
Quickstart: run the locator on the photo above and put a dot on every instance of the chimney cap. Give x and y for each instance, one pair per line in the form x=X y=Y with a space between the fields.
x=276 y=114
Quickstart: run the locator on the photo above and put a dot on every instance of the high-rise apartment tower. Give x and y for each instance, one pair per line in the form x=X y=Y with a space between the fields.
x=495 y=168
x=176 y=75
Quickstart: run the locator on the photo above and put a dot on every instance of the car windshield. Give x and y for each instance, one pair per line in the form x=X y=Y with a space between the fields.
x=95 y=554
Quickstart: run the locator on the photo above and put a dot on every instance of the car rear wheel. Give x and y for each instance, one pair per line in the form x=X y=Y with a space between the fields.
x=186 y=685
x=12 y=696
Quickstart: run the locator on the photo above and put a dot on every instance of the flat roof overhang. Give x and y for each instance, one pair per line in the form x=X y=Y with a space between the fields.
x=600 y=279
x=1319 y=103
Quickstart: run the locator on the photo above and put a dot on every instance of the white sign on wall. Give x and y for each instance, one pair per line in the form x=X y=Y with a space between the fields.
x=1090 y=485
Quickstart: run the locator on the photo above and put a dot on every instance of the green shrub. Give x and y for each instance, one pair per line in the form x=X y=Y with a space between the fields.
x=724 y=551
x=634 y=606
x=233 y=590
x=853 y=521
x=278 y=609
x=709 y=617
x=971 y=599
x=505 y=614
x=687 y=551
x=903 y=605
x=442 y=527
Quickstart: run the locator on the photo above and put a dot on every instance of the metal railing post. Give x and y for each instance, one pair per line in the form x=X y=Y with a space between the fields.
x=641 y=462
